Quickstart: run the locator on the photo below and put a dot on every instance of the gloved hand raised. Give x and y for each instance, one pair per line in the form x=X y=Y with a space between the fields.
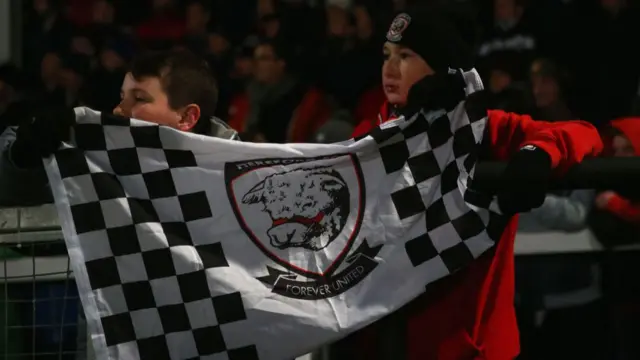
x=442 y=90
x=525 y=181
x=40 y=136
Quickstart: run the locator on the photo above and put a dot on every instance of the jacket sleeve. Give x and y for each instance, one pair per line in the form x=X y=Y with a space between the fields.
x=20 y=187
x=624 y=209
x=567 y=142
x=564 y=213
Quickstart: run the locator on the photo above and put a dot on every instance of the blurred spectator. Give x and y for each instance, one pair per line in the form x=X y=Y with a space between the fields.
x=45 y=28
x=198 y=14
x=548 y=84
x=616 y=221
x=73 y=75
x=338 y=128
x=510 y=33
x=369 y=104
x=604 y=61
x=559 y=298
x=505 y=93
x=350 y=52
x=14 y=98
x=625 y=141
x=277 y=104
x=48 y=90
x=164 y=23
x=112 y=67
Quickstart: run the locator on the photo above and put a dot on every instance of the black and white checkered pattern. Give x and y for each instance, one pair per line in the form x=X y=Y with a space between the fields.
x=440 y=149
x=155 y=282
x=156 y=305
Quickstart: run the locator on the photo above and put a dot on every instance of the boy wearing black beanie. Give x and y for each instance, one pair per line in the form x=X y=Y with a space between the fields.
x=470 y=314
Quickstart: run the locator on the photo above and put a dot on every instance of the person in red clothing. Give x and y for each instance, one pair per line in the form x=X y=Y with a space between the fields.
x=626 y=142
x=470 y=314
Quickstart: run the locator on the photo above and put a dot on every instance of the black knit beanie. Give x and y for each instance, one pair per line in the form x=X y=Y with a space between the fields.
x=441 y=35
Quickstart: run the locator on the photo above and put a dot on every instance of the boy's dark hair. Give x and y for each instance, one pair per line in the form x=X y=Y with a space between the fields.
x=185 y=78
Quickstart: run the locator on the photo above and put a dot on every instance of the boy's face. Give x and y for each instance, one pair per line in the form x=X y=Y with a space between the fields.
x=145 y=99
x=401 y=69
x=622 y=146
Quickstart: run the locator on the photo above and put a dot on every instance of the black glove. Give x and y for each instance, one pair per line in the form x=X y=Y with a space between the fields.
x=525 y=182
x=40 y=136
x=442 y=90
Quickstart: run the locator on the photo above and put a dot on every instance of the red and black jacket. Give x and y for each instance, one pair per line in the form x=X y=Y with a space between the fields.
x=470 y=314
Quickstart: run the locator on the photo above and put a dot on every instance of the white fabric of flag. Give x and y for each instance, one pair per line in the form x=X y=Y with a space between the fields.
x=190 y=247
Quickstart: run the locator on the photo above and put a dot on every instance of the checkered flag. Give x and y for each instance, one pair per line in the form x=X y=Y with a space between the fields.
x=189 y=247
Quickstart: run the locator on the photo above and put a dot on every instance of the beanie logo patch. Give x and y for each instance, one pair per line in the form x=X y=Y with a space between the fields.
x=398 y=26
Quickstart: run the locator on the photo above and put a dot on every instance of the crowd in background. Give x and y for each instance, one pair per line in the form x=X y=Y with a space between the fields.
x=309 y=71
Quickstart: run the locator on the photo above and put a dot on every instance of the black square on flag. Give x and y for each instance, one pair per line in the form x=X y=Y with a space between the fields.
x=436 y=215
x=424 y=166
x=103 y=273
x=142 y=211
x=195 y=206
x=123 y=240
x=177 y=233
x=439 y=131
x=71 y=162
x=209 y=340
x=394 y=156
x=90 y=137
x=107 y=186
x=229 y=308
x=146 y=136
x=456 y=256
x=180 y=158
x=174 y=318
x=110 y=119
x=463 y=141
x=155 y=348
x=138 y=295
x=408 y=202
x=244 y=353
x=420 y=249
x=449 y=178
x=194 y=286
x=159 y=184
x=118 y=329
x=468 y=225
x=125 y=161
x=88 y=217
x=212 y=255
x=158 y=263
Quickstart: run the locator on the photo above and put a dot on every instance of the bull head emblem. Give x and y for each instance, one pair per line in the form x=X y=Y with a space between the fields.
x=308 y=207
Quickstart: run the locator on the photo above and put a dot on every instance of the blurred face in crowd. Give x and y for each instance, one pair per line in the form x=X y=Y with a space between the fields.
x=243 y=67
x=364 y=23
x=612 y=6
x=506 y=11
x=268 y=67
x=622 y=146
x=546 y=90
x=50 y=67
x=401 y=69
x=270 y=28
x=41 y=6
x=162 y=4
x=110 y=60
x=498 y=81
x=70 y=79
x=197 y=18
x=218 y=44
x=337 y=21
x=145 y=99
x=102 y=12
